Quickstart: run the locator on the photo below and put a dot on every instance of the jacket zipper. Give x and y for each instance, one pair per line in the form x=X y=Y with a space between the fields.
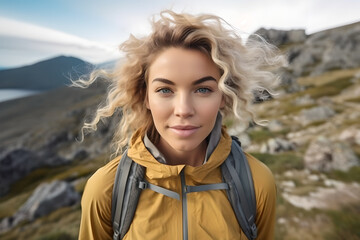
x=184 y=206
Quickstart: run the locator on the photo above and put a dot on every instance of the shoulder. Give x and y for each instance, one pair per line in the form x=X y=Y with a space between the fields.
x=99 y=187
x=265 y=192
x=264 y=182
x=96 y=203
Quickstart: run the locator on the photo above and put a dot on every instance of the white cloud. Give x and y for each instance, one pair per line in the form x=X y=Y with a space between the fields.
x=28 y=42
x=122 y=18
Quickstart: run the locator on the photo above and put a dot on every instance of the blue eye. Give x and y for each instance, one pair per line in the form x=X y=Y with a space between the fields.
x=203 y=90
x=164 y=91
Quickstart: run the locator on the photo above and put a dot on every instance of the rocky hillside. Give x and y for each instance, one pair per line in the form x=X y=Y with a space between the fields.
x=311 y=142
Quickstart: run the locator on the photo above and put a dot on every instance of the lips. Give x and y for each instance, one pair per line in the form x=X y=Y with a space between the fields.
x=184 y=130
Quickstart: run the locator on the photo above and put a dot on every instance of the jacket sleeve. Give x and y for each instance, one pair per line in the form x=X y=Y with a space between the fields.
x=96 y=204
x=265 y=191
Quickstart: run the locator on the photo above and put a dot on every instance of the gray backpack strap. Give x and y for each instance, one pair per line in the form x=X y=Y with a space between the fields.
x=236 y=172
x=158 y=189
x=126 y=193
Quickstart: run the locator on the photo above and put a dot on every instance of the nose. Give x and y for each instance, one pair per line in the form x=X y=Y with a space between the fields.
x=184 y=106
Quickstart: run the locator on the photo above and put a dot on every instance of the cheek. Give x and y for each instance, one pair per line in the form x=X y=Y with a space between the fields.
x=159 y=108
x=210 y=106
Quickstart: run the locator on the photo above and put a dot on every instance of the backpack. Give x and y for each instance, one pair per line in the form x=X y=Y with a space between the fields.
x=237 y=180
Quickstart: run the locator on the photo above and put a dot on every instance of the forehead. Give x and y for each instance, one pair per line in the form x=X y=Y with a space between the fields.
x=185 y=63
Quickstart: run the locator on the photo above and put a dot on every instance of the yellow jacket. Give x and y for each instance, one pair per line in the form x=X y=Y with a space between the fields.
x=210 y=215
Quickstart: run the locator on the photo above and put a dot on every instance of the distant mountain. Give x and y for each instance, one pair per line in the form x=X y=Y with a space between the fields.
x=45 y=75
x=107 y=65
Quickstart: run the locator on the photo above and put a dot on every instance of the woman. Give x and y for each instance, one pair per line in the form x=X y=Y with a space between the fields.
x=173 y=90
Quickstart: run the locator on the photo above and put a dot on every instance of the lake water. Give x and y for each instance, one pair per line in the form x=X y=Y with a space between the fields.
x=9 y=94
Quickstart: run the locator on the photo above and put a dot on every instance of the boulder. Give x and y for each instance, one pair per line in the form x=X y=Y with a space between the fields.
x=275 y=145
x=315 y=114
x=244 y=140
x=15 y=165
x=275 y=126
x=351 y=135
x=46 y=198
x=289 y=82
x=325 y=155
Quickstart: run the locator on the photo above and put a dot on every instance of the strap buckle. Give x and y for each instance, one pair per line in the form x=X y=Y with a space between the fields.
x=253 y=231
x=143 y=185
x=116 y=235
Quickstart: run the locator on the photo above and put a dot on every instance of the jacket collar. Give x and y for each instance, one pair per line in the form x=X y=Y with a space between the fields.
x=214 y=138
x=217 y=151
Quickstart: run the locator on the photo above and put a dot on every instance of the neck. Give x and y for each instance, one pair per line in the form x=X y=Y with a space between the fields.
x=174 y=157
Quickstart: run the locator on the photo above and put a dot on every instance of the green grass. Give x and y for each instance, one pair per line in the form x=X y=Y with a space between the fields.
x=329 y=89
x=293 y=229
x=260 y=135
x=316 y=123
x=354 y=100
x=64 y=222
x=279 y=163
x=346 y=223
x=289 y=108
x=11 y=205
x=353 y=175
x=265 y=134
x=57 y=236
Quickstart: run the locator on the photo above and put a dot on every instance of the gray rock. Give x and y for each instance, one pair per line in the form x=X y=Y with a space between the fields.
x=325 y=155
x=275 y=126
x=315 y=114
x=18 y=163
x=275 y=145
x=351 y=135
x=336 y=197
x=15 y=165
x=296 y=36
x=303 y=58
x=288 y=81
x=80 y=155
x=57 y=138
x=245 y=140
x=304 y=100
x=46 y=198
x=327 y=50
x=5 y=224
x=280 y=37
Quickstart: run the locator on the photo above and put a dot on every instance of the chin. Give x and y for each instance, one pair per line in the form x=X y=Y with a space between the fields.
x=185 y=147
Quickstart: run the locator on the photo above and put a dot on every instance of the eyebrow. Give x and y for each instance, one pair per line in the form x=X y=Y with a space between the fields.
x=199 y=81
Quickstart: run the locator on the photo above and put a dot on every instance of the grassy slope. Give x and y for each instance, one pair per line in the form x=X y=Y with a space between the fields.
x=299 y=223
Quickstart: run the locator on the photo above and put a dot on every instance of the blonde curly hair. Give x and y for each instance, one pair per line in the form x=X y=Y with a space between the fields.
x=244 y=69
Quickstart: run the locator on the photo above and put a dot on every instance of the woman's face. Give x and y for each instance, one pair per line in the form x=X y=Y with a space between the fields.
x=183 y=98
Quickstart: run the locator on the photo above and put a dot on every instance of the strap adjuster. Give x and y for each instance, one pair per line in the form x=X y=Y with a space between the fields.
x=143 y=185
x=116 y=235
x=253 y=231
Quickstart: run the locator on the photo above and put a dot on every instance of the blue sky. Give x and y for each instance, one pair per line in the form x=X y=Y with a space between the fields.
x=33 y=30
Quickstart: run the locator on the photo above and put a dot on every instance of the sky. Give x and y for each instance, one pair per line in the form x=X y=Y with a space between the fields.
x=35 y=30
